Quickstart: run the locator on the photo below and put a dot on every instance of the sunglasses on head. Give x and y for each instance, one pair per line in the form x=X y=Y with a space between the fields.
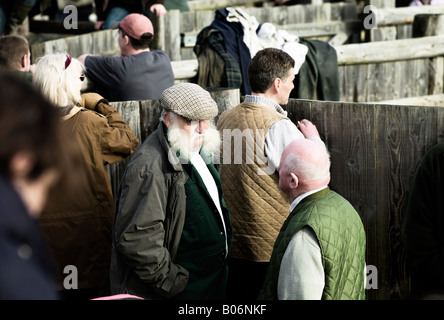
x=68 y=61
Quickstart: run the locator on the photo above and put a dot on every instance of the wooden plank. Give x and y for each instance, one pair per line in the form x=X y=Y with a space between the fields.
x=150 y=111
x=425 y=25
x=184 y=69
x=403 y=15
x=352 y=179
x=225 y=99
x=199 y=5
x=397 y=50
x=172 y=37
x=428 y=100
x=130 y=113
x=104 y=42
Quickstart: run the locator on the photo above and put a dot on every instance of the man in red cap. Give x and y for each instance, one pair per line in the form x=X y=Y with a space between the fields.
x=137 y=73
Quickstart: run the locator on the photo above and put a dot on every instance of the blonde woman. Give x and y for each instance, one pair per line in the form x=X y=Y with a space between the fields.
x=77 y=227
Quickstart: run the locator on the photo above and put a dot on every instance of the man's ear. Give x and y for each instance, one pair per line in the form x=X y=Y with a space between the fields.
x=277 y=84
x=294 y=183
x=167 y=119
x=127 y=40
x=24 y=61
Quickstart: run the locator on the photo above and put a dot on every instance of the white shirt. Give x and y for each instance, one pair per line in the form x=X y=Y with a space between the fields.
x=280 y=133
x=211 y=186
x=301 y=275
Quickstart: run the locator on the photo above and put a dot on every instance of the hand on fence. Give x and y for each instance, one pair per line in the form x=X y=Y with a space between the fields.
x=308 y=129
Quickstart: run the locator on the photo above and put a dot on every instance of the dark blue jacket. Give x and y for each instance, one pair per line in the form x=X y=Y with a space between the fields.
x=25 y=267
x=233 y=34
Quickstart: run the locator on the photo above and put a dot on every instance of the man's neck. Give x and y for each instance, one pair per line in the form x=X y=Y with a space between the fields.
x=132 y=52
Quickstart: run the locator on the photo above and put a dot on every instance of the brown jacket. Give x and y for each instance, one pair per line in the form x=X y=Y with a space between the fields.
x=78 y=227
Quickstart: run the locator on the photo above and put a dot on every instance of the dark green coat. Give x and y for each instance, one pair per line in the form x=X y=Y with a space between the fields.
x=202 y=248
x=424 y=224
x=156 y=204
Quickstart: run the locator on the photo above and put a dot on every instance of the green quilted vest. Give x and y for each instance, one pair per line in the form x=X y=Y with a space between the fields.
x=341 y=236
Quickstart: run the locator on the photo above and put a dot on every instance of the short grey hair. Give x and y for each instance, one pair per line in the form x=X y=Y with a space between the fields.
x=306 y=170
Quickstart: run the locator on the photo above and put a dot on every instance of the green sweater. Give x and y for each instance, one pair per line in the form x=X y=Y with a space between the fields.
x=341 y=237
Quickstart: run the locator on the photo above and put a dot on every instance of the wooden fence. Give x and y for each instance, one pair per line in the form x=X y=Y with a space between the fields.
x=368 y=72
x=397 y=23
x=374 y=151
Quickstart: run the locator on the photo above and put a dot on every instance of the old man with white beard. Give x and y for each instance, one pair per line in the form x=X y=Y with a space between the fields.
x=172 y=231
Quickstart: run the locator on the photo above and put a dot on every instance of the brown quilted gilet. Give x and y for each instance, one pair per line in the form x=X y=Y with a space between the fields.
x=257 y=206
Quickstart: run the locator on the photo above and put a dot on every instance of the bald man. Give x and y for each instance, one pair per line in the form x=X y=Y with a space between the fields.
x=320 y=250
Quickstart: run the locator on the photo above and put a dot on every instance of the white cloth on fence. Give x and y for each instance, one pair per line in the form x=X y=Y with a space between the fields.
x=281 y=39
x=267 y=36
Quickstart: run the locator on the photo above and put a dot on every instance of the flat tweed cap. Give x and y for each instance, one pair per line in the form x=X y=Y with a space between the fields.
x=190 y=101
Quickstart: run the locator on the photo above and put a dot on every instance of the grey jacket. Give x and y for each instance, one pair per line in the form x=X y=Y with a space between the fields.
x=150 y=214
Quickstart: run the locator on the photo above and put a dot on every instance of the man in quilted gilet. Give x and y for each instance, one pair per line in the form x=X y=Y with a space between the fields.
x=261 y=130
x=320 y=250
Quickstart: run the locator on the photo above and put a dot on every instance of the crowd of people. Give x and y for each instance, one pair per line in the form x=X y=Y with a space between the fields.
x=180 y=226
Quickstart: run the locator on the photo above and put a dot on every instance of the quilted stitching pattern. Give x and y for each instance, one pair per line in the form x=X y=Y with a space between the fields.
x=257 y=206
x=342 y=239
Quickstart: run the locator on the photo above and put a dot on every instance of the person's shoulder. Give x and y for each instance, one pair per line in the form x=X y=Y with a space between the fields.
x=102 y=60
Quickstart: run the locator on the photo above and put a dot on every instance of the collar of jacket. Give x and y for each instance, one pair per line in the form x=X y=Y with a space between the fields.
x=318 y=194
x=172 y=157
x=69 y=112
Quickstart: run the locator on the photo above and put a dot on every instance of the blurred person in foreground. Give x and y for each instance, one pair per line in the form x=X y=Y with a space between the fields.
x=423 y=225
x=78 y=226
x=35 y=156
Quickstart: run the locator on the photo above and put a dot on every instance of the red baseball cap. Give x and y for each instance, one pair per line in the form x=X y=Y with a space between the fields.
x=136 y=24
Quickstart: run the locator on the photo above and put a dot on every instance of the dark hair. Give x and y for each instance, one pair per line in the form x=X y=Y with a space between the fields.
x=143 y=43
x=30 y=123
x=267 y=65
x=12 y=49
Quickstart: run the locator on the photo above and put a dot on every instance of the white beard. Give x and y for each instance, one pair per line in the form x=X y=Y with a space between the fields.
x=180 y=141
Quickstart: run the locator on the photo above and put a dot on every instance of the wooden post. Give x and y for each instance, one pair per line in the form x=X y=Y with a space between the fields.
x=381 y=34
x=159 y=31
x=226 y=98
x=425 y=25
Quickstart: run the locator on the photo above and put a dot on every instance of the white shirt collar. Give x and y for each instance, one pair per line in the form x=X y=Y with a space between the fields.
x=265 y=102
x=302 y=196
